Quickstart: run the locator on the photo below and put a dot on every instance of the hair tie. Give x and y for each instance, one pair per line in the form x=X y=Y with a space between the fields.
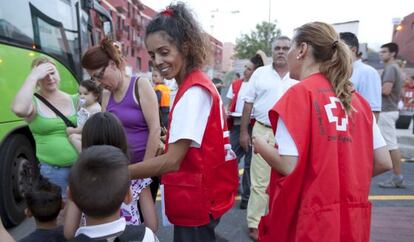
x=167 y=12
x=334 y=44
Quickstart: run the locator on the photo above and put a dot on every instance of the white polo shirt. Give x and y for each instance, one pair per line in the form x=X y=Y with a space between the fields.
x=367 y=82
x=265 y=88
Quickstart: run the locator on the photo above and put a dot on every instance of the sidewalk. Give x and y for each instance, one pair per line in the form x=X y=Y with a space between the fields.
x=392 y=224
x=392 y=217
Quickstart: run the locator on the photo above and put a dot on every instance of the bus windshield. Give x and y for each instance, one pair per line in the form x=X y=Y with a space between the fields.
x=49 y=28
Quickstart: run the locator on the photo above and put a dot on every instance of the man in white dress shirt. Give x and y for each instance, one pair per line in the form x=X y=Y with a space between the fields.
x=266 y=86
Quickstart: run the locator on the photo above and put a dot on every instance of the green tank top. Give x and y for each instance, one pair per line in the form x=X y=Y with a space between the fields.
x=52 y=143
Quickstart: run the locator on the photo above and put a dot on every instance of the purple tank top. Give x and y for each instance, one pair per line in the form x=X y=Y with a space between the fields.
x=132 y=118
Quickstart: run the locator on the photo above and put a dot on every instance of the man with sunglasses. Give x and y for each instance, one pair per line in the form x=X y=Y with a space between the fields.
x=266 y=86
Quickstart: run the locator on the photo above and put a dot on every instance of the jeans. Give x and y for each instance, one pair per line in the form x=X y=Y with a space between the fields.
x=240 y=152
x=56 y=175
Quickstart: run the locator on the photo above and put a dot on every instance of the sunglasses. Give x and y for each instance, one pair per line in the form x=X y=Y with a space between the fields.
x=98 y=76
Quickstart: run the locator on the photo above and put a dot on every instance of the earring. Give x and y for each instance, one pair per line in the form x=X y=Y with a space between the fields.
x=298 y=57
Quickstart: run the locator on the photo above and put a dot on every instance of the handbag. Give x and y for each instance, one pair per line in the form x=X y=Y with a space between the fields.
x=55 y=110
x=163 y=133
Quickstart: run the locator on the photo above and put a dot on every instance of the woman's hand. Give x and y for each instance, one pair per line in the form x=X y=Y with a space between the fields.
x=258 y=144
x=23 y=102
x=41 y=71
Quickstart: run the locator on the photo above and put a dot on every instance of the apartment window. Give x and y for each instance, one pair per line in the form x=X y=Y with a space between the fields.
x=118 y=22
x=138 y=64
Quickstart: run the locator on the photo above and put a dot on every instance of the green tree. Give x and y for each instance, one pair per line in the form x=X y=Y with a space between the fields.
x=247 y=45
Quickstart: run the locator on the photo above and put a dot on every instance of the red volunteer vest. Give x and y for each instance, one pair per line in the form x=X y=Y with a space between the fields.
x=235 y=86
x=325 y=198
x=206 y=183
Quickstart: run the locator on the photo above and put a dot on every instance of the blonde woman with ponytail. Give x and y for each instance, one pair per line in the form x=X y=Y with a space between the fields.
x=329 y=147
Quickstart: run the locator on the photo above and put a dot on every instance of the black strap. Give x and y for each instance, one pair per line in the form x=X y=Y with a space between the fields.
x=56 y=111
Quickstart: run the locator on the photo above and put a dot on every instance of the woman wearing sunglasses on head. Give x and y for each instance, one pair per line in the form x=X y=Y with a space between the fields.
x=132 y=100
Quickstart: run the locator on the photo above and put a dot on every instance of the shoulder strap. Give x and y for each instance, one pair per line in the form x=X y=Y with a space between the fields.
x=55 y=110
x=136 y=91
x=139 y=103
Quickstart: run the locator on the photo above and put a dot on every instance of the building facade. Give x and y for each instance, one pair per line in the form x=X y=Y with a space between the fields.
x=228 y=56
x=129 y=27
x=216 y=53
x=129 y=20
x=403 y=35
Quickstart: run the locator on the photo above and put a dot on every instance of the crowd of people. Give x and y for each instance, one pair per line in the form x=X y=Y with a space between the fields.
x=312 y=127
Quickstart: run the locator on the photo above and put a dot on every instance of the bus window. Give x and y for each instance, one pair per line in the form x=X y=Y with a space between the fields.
x=14 y=25
x=52 y=28
x=50 y=37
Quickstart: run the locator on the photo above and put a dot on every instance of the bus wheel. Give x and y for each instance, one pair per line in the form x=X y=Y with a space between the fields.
x=18 y=169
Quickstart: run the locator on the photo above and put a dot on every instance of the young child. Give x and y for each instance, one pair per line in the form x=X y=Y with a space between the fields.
x=199 y=170
x=44 y=202
x=98 y=184
x=105 y=129
x=89 y=96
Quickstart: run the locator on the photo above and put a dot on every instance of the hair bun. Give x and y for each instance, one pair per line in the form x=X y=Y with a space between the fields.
x=105 y=43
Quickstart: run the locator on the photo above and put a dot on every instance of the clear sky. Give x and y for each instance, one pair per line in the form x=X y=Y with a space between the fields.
x=375 y=16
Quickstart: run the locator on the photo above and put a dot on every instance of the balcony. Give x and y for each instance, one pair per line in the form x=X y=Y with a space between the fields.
x=136 y=42
x=121 y=9
x=136 y=22
x=138 y=4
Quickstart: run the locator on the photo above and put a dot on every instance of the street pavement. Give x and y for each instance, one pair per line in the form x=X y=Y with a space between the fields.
x=392 y=216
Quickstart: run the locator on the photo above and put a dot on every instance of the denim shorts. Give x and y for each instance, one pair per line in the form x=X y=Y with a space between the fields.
x=57 y=175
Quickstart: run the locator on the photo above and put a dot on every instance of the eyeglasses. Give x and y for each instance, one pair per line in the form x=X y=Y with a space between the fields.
x=284 y=48
x=98 y=76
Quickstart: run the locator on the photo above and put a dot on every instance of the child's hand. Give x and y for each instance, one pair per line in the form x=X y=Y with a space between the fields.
x=258 y=144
